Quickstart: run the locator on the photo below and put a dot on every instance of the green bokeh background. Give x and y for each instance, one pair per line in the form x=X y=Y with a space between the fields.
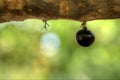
x=29 y=52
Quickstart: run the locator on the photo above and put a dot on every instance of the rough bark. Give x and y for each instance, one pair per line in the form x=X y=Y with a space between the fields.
x=11 y=10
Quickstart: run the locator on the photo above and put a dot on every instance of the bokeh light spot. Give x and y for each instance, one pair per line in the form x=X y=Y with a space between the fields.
x=49 y=44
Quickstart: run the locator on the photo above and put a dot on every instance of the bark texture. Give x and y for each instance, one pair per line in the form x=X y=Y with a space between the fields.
x=16 y=10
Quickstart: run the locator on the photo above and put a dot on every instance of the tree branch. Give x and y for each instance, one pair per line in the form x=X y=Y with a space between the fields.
x=11 y=10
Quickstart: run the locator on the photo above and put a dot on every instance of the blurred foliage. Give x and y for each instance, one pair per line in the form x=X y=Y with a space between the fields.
x=29 y=52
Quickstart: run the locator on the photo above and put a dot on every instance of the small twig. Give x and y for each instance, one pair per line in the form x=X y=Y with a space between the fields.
x=45 y=25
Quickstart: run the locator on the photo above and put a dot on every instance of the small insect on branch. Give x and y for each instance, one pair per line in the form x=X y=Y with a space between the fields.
x=45 y=24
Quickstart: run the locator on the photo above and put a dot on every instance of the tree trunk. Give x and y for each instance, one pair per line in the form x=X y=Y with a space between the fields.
x=12 y=10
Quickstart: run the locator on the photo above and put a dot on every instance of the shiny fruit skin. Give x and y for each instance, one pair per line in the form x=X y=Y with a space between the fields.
x=85 y=37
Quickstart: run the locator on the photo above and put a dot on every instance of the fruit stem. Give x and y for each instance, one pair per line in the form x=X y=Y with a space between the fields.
x=84 y=25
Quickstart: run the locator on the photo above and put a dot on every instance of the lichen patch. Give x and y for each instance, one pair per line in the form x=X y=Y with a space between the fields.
x=14 y=4
x=64 y=8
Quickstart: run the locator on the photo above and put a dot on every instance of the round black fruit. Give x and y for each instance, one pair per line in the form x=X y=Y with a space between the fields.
x=85 y=37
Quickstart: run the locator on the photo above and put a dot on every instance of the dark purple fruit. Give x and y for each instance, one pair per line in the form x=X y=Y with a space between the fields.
x=85 y=37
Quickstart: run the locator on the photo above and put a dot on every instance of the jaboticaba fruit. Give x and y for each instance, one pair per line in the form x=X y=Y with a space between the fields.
x=85 y=37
